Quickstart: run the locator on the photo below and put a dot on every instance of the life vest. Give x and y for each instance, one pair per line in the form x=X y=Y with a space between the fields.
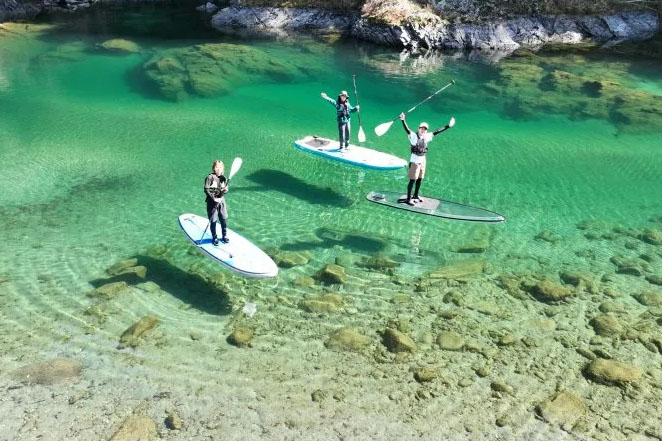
x=343 y=111
x=421 y=147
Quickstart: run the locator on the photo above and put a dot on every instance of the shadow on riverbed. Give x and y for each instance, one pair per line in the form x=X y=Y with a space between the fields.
x=189 y=288
x=330 y=238
x=295 y=187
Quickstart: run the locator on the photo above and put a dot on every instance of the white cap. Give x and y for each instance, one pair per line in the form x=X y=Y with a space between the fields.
x=423 y=124
x=344 y=92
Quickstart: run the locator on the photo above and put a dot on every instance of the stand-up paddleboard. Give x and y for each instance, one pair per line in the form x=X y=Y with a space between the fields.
x=436 y=207
x=355 y=155
x=240 y=255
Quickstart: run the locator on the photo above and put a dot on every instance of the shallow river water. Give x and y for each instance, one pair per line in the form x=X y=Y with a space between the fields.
x=101 y=150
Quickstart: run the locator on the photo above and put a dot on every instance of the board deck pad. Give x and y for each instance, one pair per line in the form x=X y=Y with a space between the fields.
x=436 y=207
x=355 y=155
x=240 y=255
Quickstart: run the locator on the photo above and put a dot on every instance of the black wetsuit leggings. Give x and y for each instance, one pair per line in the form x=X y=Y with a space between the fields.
x=224 y=227
x=410 y=185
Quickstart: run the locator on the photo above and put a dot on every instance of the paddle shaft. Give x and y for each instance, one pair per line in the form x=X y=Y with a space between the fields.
x=356 y=96
x=426 y=99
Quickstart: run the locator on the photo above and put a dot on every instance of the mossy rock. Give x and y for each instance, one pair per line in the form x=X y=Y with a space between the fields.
x=450 y=341
x=550 y=291
x=133 y=335
x=136 y=428
x=653 y=237
x=649 y=298
x=241 y=337
x=564 y=409
x=109 y=290
x=326 y=303
x=612 y=372
x=120 y=266
x=303 y=281
x=396 y=341
x=215 y=69
x=607 y=325
x=379 y=262
x=347 y=339
x=290 y=259
x=426 y=374
x=120 y=45
x=332 y=274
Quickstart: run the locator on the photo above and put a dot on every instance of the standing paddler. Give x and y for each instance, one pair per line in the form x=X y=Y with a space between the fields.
x=343 y=112
x=418 y=142
x=216 y=185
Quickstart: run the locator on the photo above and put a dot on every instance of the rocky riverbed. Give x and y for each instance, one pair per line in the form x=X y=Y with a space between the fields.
x=463 y=349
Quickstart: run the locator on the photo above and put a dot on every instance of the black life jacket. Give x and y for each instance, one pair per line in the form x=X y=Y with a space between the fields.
x=421 y=147
x=342 y=110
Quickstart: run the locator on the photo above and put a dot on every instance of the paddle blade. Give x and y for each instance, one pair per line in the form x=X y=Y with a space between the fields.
x=361 y=134
x=383 y=128
x=236 y=165
x=451 y=123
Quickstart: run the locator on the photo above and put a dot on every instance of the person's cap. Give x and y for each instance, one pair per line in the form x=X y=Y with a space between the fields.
x=344 y=92
x=423 y=124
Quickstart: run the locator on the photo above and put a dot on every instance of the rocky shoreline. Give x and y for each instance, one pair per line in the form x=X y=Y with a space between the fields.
x=507 y=35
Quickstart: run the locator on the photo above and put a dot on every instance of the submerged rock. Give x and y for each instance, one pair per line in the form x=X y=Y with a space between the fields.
x=109 y=290
x=612 y=372
x=426 y=374
x=290 y=259
x=563 y=409
x=550 y=291
x=215 y=69
x=120 y=45
x=654 y=279
x=117 y=267
x=450 y=341
x=653 y=237
x=459 y=270
x=607 y=325
x=649 y=298
x=379 y=262
x=241 y=337
x=303 y=281
x=347 y=339
x=173 y=421
x=136 y=428
x=48 y=372
x=627 y=266
x=322 y=304
x=331 y=273
x=133 y=335
x=396 y=341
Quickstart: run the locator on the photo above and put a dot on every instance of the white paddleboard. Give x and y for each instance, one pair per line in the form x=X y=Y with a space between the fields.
x=355 y=155
x=240 y=255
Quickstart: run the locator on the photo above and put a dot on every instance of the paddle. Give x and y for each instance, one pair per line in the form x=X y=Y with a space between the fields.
x=234 y=168
x=356 y=95
x=383 y=128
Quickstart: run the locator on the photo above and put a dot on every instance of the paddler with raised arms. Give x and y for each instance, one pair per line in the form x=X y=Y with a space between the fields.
x=418 y=143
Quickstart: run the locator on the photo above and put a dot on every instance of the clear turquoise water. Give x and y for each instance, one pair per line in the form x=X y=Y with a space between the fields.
x=96 y=168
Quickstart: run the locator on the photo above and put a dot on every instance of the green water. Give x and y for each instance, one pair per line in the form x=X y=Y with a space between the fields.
x=96 y=167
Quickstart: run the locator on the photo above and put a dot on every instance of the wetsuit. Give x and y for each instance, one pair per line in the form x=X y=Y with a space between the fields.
x=419 y=147
x=215 y=189
x=343 y=113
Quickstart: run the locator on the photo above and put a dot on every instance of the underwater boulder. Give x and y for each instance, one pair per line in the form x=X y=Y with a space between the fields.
x=136 y=428
x=120 y=45
x=347 y=339
x=332 y=273
x=133 y=335
x=109 y=290
x=241 y=337
x=396 y=341
x=564 y=409
x=612 y=372
x=322 y=304
x=48 y=372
